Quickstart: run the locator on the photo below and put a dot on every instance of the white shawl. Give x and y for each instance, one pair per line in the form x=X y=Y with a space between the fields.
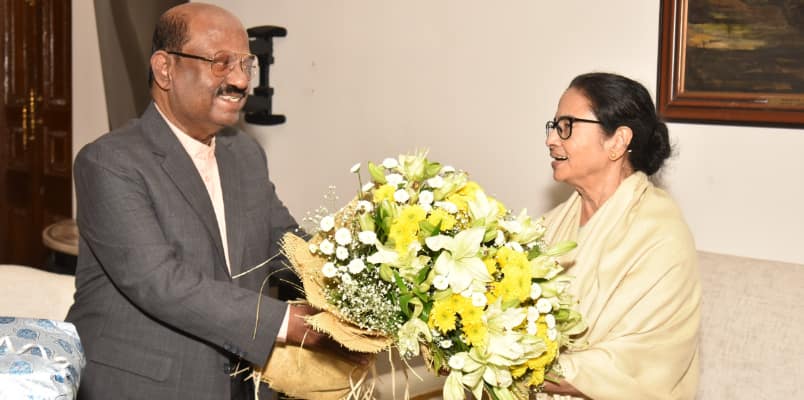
x=636 y=279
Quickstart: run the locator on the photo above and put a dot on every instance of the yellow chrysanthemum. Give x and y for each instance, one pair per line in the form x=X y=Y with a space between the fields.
x=412 y=214
x=472 y=315
x=509 y=257
x=384 y=192
x=552 y=346
x=517 y=284
x=405 y=228
x=511 y=288
x=491 y=265
x=469 y=189
x=442 y=318
x=402 y=234
x=498 y=290
x=458 y=302
x=546 y=357
x=439 y=215
x=541 y=328
x=502 y=256
x=536 y=377
x=491 y=296
x=468 y=312
x=476 y=334
x=460 y=202
x=453 y=302
x=519 y=370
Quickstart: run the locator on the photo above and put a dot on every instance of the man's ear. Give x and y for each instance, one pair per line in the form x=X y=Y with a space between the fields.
x=161 y=66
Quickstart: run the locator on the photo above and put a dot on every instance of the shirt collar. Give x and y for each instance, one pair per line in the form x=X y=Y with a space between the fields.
x=193 y=147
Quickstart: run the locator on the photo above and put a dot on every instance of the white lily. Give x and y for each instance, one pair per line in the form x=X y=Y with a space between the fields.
x=409 y=334
x=412 y=166
x=481 y=207
x=409 y=267
x=467 y=369
x=474 y=369
x=507 y=347
x=384 y=255
x=460 y=264
x=523 y=229
x=453 y=386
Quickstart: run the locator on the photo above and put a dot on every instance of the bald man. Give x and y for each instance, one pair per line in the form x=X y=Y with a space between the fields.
x=170 y=209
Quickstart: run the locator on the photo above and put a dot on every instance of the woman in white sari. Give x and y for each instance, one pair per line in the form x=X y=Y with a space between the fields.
x=635 y=266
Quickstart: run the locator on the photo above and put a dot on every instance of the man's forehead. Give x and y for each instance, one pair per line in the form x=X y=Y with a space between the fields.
x=220 y=34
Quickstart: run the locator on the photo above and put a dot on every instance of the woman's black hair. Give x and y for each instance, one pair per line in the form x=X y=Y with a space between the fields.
x=618 y=101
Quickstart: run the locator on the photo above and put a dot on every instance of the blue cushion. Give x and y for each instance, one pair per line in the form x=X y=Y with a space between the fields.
x=39 y=359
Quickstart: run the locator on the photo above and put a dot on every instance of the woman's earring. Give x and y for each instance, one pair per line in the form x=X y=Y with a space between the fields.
x=612 y=156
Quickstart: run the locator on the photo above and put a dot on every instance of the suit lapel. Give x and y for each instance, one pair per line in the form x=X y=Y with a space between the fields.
x=179 y=167
x=232 y=201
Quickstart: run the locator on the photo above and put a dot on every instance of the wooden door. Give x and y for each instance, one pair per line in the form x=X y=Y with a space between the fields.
x=35 y=133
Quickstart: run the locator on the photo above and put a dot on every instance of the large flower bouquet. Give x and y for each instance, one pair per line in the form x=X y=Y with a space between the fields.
x=424 y=258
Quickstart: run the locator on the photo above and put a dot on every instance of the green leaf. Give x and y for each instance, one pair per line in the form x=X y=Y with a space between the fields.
x=386 y=273
x=428 y=305
x=560 y=248
x=403 y=304
x=376 y=173
x=438 y=359
x=366 y=222
x=431 y=169
x=400 y=283
x=491 y=233
x=418 y=306
x=422 y=275
x=426 y=229
x=534 y=252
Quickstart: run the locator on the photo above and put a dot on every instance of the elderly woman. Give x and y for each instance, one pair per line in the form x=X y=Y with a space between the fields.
x=635 y=266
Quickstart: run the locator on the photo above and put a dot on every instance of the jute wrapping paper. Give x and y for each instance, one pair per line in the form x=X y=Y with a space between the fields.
x=305 y=374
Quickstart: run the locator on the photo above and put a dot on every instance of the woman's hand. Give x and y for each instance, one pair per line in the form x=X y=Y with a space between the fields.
x=563 y=387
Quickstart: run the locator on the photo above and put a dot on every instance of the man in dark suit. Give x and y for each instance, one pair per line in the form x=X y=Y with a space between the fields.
x=170 y=209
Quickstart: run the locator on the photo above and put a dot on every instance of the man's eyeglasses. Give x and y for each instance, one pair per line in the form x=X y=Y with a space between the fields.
x=563 y=126
x=223 y=62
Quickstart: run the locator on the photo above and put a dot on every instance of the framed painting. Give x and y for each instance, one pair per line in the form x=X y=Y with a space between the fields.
x=732 y=62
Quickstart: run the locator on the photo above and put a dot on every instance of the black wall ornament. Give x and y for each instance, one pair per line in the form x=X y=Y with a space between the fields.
x=258 y=105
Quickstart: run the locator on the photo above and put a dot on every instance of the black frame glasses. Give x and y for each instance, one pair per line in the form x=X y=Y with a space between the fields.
x=223 y=62
x=565 y=132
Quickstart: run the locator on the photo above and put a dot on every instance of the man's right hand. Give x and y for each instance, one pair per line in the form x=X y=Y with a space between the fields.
x=301 y=334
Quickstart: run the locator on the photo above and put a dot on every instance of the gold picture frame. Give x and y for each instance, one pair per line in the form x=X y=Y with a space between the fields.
x=739 y=63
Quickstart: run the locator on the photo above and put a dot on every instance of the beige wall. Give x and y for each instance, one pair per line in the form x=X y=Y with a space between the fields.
x=474 y=82
x=89 y=101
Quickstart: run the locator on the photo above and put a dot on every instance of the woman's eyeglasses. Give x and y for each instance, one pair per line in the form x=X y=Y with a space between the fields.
x=563 y=126
x=223 y=62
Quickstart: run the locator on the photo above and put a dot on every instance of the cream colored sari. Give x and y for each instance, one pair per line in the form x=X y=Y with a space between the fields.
x=636 y=279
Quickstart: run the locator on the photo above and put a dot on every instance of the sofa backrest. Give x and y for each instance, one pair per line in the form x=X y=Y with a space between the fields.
x=34 y=293
x=752 y=324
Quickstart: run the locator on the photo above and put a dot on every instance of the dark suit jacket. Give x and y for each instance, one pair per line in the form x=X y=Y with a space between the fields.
x=156 y=310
